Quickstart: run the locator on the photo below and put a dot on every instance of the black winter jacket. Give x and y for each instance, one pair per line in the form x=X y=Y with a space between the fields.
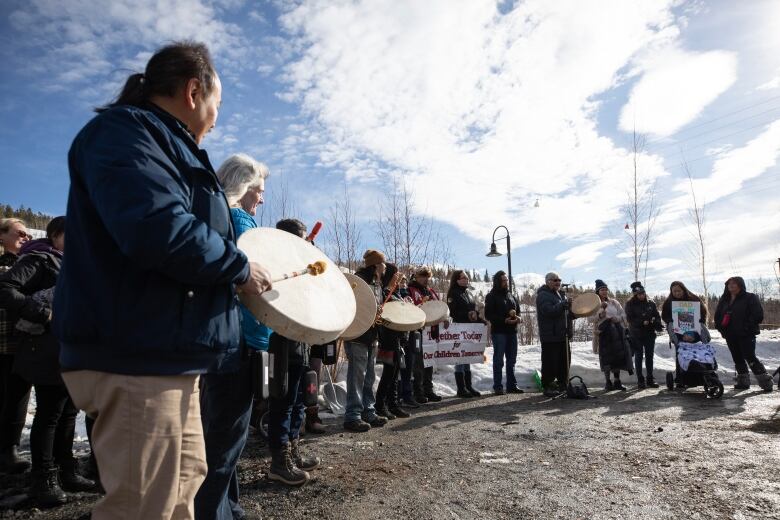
x=746 y=314
x=551 y=315
x=461 y=302
x=147 y=287
x=37 y=356
x=372 y=334
x=498 y=303
x=637 y=312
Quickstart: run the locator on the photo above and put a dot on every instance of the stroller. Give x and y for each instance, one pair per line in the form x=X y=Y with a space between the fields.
x=695 y=366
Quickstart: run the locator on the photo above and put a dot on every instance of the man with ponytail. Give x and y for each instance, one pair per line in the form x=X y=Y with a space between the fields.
x=145 y=302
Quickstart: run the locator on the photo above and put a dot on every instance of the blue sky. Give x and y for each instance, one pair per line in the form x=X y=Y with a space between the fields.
x=481 y=108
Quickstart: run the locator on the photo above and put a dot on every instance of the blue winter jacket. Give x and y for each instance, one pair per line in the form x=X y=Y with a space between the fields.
x=256 y=334
x=147 y=285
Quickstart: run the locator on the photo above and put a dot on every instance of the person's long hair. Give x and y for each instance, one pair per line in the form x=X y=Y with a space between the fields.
x=456 y=274
x=497 y=282
x=167 y=71
x=688 y=296
x=726 y=296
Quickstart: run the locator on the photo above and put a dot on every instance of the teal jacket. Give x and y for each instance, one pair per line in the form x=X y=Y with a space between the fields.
x=255 y=333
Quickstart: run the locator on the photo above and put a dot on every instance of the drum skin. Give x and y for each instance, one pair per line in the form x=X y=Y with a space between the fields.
x=585 y=305
x=365 y=316
x=402 y=316
x=435 y=312
x=309 y=309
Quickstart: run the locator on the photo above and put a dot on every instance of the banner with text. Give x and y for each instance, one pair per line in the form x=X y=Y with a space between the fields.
x=459 y=343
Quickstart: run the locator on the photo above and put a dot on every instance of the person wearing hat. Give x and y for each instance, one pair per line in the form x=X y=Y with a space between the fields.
x=360 y=414
x=609 y=339
x=422 y=384
x=554 y=329
x=644 y=322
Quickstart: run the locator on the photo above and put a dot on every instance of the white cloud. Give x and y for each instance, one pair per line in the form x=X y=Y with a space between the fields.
x=676 y=85
x=72 y=44
x=487 y=110
x=584 y=254
x=770 y=85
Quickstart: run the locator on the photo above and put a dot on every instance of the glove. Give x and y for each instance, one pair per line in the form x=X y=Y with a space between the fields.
x=672 y=336
x=705 y=334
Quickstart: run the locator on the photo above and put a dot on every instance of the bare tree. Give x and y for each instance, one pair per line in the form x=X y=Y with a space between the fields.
x=281 y=203
x=640 y=210
x=697 y=216
x=343 y=234
x=409 y=239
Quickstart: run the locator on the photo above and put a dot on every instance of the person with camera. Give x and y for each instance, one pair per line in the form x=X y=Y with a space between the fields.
x=555 y=330
x=644 y=322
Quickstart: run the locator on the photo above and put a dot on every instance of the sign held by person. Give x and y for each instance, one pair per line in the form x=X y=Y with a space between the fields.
x=459 y=343
x=686 y=316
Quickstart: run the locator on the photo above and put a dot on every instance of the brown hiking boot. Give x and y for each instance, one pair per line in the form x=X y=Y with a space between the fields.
x=283 y=468
x=313 y=421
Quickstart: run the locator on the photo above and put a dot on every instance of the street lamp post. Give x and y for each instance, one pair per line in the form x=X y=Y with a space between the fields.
x=494 y=252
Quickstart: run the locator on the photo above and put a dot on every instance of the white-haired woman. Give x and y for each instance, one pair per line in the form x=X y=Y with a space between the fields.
x=226 y=398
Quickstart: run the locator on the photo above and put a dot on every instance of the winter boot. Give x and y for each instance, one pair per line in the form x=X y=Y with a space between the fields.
x=45 y=488
x=461 y=384
x=313 y=421
x=11 y=462
x=432 y=397
x=470 y=388
x=398 y=411
x=608 y=387
x=617 y=385
x=743 y=381
x=300 y=461
x=283 y=468
x=421 y=399
x=651 y=382
x=640 y=382
x=410 y=402
x=765 y=381
x=70 y=480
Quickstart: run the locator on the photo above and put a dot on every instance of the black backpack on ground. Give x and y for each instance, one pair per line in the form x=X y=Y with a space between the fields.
x=576 y=388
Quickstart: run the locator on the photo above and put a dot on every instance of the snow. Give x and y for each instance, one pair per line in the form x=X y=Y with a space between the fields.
x=584 y=363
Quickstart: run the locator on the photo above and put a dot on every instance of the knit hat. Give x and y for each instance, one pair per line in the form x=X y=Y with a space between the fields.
x=423 y=271
x=373 y=257
x=637 y=288
x=600 y=284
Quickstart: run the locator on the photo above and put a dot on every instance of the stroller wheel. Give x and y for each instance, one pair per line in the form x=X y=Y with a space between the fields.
x=670 y=380
x=715 y=391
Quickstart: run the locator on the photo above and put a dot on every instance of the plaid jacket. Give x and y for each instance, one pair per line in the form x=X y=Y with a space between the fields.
x=7 y=340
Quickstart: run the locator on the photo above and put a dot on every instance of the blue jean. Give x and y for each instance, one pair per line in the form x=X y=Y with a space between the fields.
x=504 y=345
x=360 y=381
x=226 y=406
x=285 y=415
x=462 y=368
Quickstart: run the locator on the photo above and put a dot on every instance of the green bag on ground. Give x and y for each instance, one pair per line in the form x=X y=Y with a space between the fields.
x=538 y=380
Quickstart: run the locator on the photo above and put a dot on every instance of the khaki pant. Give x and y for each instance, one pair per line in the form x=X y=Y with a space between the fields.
x=148 y=441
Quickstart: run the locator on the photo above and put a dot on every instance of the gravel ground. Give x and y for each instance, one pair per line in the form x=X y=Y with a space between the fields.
x=652 y=454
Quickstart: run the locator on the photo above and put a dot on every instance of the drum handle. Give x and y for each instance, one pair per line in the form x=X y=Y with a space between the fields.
x=392 y=287
x=314 y=269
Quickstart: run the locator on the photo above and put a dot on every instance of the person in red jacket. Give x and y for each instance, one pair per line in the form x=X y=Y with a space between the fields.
x=422 y=385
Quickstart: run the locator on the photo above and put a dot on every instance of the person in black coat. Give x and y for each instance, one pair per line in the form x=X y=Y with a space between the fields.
x=644 y=322
x=26 y=291
x=463 y=309
x=737 y=317
x=14 y=391
x=391 y=348
x=501 y=311
x=554 y=320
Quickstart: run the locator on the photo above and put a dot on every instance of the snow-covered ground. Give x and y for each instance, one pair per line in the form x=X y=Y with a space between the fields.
x=584 y=363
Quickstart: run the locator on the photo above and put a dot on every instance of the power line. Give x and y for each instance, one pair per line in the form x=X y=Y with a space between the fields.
x=677 y=143
x=767 y=100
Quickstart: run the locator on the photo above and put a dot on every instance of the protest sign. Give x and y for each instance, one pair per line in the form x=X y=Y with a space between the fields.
x=459 y=343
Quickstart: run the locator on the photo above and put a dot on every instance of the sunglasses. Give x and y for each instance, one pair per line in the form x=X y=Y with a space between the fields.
x=23 y=234
x=555 y=280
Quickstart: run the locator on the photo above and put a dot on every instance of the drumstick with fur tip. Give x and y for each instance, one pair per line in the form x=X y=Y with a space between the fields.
x=313 y=269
